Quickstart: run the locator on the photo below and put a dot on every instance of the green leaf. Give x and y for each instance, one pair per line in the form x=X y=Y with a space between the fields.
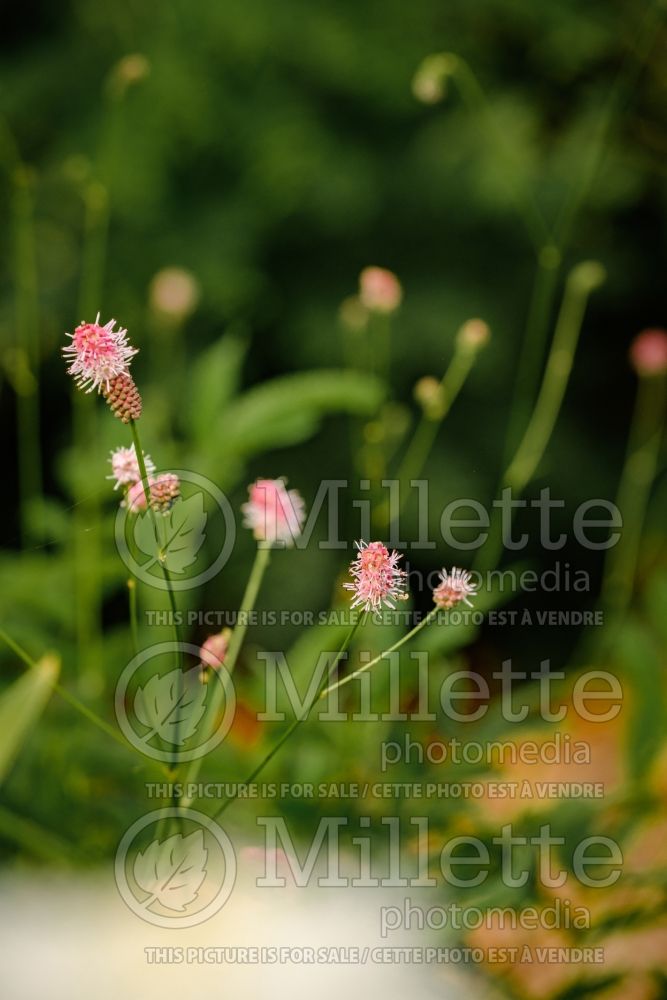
x=288 y=409
x=214 y=381
x=21 y=704
x=181 y=533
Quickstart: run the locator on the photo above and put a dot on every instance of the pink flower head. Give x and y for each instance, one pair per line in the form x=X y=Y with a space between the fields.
x=274 y=513
x=135 y=498
x=125 y=467
x=379 y=290
x=98 y=354
x=648 y=352
x=454 y=587
x=214 y=649
x=377 y=579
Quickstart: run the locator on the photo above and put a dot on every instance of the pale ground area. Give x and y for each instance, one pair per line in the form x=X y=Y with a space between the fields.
x=66 y=937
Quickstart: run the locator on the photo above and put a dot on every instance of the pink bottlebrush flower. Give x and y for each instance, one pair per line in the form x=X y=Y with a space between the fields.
x=98 y=354
x=648 y=352
x=123 y=398
x=214 y=649
x=377 y=579
x=274 y=513
x=453 y=587
x=164 y=492
x=125 y=467
x=135 y=498
x=379 y=290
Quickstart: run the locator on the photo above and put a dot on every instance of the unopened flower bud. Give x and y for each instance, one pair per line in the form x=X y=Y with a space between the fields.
x=379 y=290
x=428 y=392
x=473 y=335
x=123 y=397
x=429 y=83
x=165 y=491
x=648 y=352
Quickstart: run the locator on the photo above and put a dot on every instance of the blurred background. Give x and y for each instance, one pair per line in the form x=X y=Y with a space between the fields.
x=216 y=176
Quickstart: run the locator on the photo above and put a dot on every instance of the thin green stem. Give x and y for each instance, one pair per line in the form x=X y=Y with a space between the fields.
x=533 y=346
x=71 y=700
x=161 y=559
x=248 y=601
x=521 y=469
x=132 y=604
x=297 y=722
x=367 y=666
x=525 y=204
x=423 y=439
x=634 y=489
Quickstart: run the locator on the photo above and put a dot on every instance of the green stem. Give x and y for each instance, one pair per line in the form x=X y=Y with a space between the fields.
x=71 y=700
x=134 y=624
x=423 y=439
x=634 y=489
x=533 y=345
x=525 y=204
x=248 y=601
x=297 y=722
x=161 y=559
x=27 y=334
x=521 y=469
x=367 y=666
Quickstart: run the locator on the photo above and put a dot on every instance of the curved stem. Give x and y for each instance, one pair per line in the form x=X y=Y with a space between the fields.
x=367 y=666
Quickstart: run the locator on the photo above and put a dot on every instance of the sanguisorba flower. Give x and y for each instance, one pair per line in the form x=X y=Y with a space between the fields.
x=213 y=650
x=453 y=588
x=125 y=467
x=648 y=352
x=98 y=354
x=274 y=513
x=379 y=290
x=163 y=492
x=378 y=581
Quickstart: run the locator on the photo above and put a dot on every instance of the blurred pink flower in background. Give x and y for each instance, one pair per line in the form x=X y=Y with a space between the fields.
x=274 y=513
x=174 y=292
x=214 y=649
x=377 y=579
x=648 y=352
x=379 y=290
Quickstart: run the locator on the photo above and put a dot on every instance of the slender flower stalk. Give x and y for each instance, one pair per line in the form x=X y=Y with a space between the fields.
x=649 y=358
x=436 y=404
x=582 y=280
x=236 y=640
x=297 y=722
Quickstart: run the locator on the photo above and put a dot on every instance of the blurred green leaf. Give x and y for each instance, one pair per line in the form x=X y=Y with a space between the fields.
x=214 y=381
x=21 y=704
x=288 y=409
